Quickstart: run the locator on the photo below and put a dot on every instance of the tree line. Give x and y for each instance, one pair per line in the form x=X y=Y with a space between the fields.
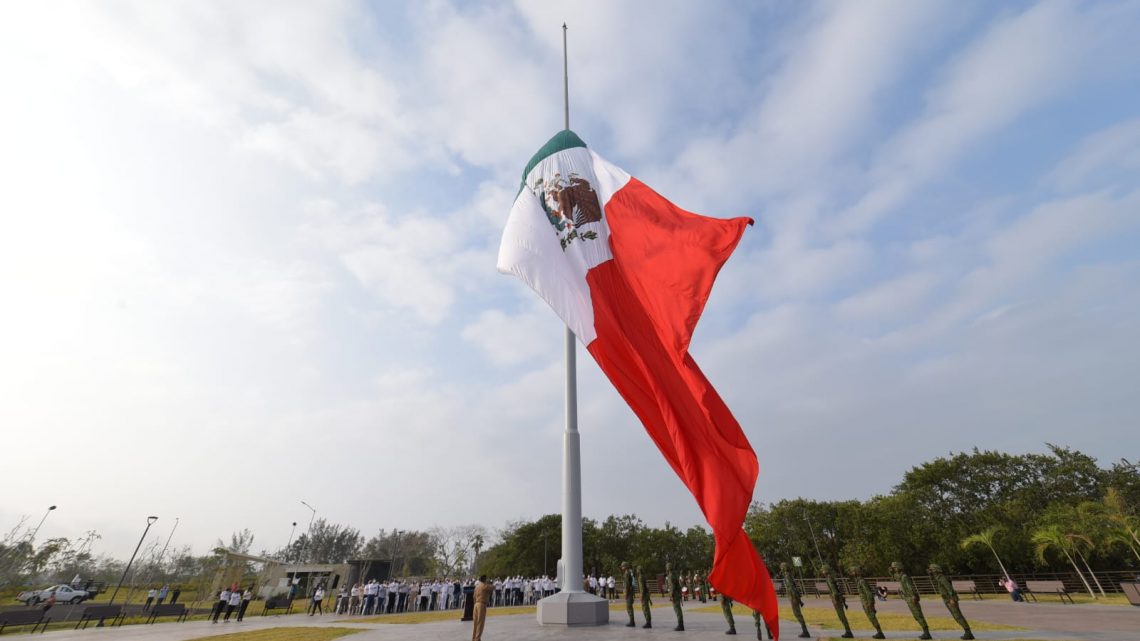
x=977 y=512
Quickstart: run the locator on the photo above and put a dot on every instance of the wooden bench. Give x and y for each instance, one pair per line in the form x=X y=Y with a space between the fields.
x=1048 y=587
x=168 y=610
x=14 y=618
x=91 y=612
x=821 y=588
x=966 y=587
x=278 y=603
x=1132 y=592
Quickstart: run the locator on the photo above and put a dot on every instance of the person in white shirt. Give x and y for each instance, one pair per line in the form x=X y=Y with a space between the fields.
x=382 y=598
x=318 y=596
x=611 y=588
x=235 y=601
x=220 y=604
x=246 y=597
x=425 y=595
x=149 y=598
x=354 y=603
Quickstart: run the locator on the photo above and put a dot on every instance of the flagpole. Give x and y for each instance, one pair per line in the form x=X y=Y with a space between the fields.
x=571 y=441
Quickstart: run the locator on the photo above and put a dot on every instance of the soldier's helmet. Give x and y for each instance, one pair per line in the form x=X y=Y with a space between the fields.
x=668 y=566
x=825 y=569
x=896 y=567
x=854 y=570
x=783 y=566
x=625 y=565
x=934 y=568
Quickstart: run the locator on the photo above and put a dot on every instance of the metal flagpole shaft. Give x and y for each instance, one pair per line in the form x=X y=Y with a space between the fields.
x=565 y=80
x=571 y=447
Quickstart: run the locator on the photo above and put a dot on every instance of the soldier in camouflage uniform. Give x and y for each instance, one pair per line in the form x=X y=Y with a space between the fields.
x=674 y=582
x=909 y=593
x=646 y=601
x=838 y=600
x=630 y=590
x=867 y=596
x=949 y=597
x=705 y=590
x=793 y=592
x=726 y=608
x=761 y=626
x=701 y=584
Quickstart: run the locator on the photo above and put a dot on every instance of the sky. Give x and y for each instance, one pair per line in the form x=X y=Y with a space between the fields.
x=247 y=255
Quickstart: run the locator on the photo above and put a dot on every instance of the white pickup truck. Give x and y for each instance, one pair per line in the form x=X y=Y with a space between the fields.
x=63 y=594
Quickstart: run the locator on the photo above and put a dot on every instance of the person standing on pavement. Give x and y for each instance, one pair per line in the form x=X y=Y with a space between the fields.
x=234 y=604
x=150 y=594
x=318 y=596
x=220 y=604
x=246 y=597
x=482 y=597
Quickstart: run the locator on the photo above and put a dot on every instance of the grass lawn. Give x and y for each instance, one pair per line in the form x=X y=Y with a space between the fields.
x=826 y=618
x=285 y=634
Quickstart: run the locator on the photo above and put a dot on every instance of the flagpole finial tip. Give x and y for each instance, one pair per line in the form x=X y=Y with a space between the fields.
x=564 y=26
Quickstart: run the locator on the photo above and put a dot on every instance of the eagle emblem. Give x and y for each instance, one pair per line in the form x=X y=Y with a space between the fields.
x=569 y=202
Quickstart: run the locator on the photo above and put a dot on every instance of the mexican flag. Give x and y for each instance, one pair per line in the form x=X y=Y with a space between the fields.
x=629 y=273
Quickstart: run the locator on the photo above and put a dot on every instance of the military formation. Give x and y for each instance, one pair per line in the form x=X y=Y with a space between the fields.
x=678 y=590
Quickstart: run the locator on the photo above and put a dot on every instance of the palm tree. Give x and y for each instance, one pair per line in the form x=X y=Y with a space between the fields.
x=986 y=538
x=1051 y=536
x=1076 y=540
x=1126 y=526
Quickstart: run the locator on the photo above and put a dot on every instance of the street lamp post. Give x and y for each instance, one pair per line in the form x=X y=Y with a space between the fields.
x=290 y=541
x=30 y=539
x=813 y=540
x=149 y=522
x=309 y=532
x=36 y=531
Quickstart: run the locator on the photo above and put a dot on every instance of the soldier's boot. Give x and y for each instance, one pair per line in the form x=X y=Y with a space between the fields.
x=969 y=635
x=847 y=635
x=925 y=634
x=631 y=624
x=647 y=625
x=731 y=630
x=805 y=634
x=878 y=632
x=680 y=627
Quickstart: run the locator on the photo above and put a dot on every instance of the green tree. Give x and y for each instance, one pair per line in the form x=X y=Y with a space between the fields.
x=986 y=538
x=1051 y=537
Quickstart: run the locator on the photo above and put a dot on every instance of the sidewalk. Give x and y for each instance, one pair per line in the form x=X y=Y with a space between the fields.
x=1049 y=622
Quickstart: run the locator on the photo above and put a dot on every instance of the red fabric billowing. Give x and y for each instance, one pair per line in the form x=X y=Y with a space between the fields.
x=646 y=301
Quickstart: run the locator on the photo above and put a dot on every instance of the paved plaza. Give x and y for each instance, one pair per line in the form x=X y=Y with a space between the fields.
x=1044 y=621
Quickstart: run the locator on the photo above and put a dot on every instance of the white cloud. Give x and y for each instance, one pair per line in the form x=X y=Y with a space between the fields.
x=1015 y=66
x=512 y=339
x=1112 y=151
x=891 y=299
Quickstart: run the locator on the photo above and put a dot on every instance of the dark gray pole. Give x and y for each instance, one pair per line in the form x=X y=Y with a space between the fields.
x=149 y=522
x=565 y=80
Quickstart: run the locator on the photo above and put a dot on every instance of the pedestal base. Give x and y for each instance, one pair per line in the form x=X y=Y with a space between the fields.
x=573 y=608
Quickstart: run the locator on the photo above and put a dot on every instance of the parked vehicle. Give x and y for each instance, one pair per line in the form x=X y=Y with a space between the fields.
x=63 y=594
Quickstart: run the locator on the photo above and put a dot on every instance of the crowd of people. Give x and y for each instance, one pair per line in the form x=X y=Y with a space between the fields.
x=230 y=600
x=421 y=595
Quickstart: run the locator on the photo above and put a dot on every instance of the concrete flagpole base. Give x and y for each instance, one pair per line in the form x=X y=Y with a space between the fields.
x=573 y=608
